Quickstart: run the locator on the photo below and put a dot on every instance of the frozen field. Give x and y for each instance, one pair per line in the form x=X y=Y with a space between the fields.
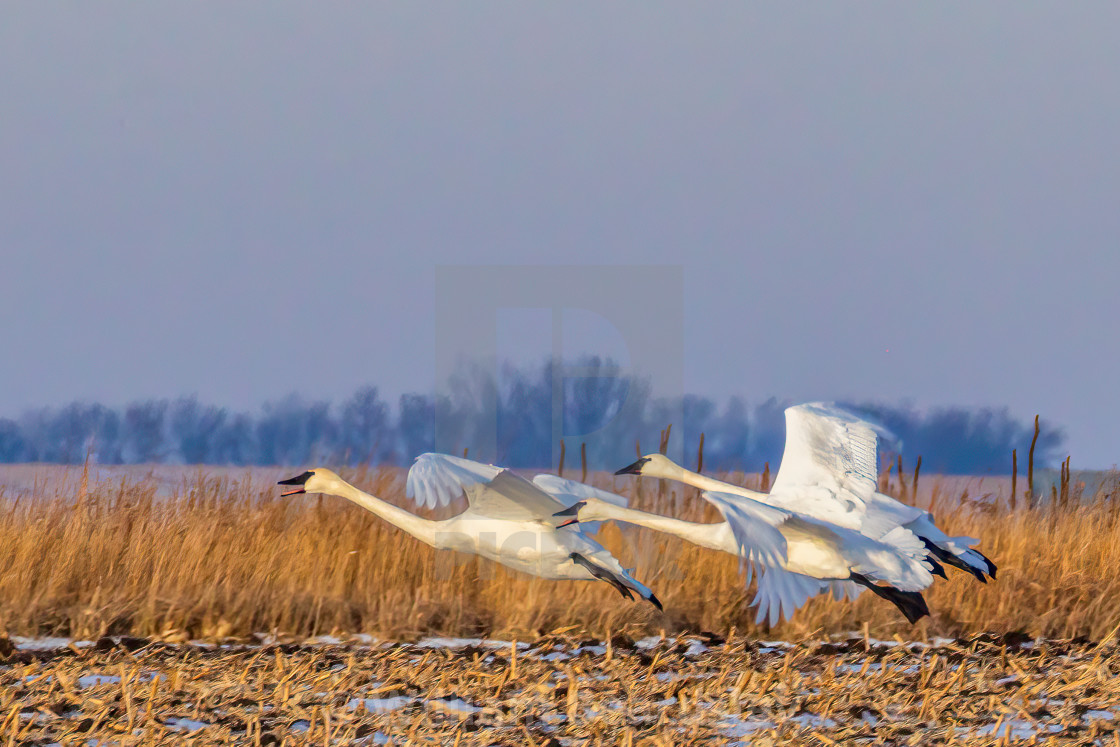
x=560 y=691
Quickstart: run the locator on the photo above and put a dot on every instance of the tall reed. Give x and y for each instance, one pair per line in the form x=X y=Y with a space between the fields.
x=224 y=555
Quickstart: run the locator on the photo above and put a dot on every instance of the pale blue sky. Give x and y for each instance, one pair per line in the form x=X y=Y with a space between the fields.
x=242 y=200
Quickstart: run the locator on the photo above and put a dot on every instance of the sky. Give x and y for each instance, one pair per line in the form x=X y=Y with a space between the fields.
x=901 y=202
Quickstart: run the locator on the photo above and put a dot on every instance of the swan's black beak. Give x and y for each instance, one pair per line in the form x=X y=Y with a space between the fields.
x=633 y=469
x=300 y=480
x=573 y=511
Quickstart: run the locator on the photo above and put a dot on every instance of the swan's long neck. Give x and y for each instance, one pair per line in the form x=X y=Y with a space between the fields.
x=705 y=535
x=697 y=480
x=420 y=528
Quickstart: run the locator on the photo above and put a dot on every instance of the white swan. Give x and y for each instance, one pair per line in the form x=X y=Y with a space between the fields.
x=509 y=520
x=829 y=472
x=798 y=557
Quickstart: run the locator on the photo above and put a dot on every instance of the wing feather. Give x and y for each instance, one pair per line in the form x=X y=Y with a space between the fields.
x=438 y=479
x=829 y=467
x=754 y=526
x=842 y=590
x=782 y=592
x=570 y=492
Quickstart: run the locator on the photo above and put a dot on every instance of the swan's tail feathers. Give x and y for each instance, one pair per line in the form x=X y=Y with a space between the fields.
x=622 y=582
x=910 y=603
x=904 y=540
x=969 y=561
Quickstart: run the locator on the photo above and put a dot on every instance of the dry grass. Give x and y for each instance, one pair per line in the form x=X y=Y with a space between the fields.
x=558 y=690
x=226 y=557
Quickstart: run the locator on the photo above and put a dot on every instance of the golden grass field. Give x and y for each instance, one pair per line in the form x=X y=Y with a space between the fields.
x=209 y=554
x=218 y=586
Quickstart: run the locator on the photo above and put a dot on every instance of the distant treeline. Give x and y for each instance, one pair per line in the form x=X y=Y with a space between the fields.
x=506 y=417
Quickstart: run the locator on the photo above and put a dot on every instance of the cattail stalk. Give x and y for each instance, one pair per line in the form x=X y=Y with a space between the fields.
x=1014 y=478
x=1030 y=466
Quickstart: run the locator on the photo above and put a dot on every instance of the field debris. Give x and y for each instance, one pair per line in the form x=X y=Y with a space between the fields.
x=563 y=690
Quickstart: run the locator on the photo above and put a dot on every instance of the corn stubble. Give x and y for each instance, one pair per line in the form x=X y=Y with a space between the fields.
x=226 y=557
x=560 y=690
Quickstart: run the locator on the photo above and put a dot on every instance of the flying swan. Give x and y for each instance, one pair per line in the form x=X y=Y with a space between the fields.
x=829 y=472
x=798 y=557
x=509 y=519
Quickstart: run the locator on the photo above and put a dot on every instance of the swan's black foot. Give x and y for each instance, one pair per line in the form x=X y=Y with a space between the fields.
x=949 y=558
x=910 y=603
x=604 y=575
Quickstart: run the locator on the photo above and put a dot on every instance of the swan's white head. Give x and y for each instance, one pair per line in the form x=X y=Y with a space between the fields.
x=318 y=480
x=653 y=465
x=589 y=509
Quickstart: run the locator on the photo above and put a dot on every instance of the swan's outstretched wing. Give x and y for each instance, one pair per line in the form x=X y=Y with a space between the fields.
x=782 y=592
x=829 y=467
x=437 y=479
x=754 y=526
x=570 y=492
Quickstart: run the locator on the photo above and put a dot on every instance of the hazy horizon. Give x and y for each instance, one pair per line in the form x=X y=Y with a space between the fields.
x=519 y=417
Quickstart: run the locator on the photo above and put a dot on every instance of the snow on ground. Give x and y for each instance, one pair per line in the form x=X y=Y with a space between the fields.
x=736 y=690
